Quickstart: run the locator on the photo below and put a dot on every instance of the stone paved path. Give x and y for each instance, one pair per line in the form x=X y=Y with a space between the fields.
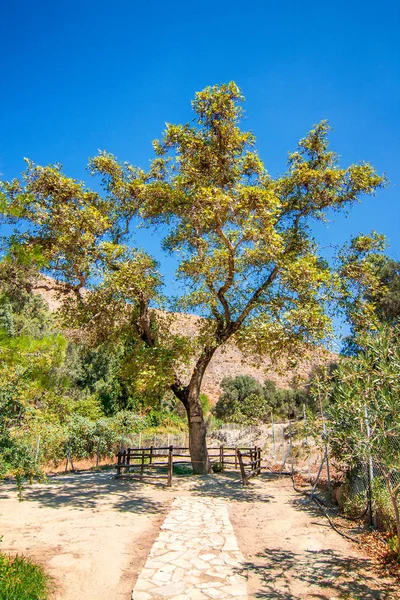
x=195 y=555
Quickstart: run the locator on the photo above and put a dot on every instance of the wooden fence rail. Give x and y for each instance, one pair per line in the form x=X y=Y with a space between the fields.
x=146 y=463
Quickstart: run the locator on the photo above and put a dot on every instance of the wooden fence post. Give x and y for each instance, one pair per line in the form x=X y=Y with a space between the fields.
x=291 y=448
x=69 y=456
x=242 y=471
x=142 y=465
x=123 y=459
x=170 y=465
x=98 y=453
x=259 y=460
x=119 y=464
x=66 y=464
x=221 y=456
x=236 y=465
x=151 y=454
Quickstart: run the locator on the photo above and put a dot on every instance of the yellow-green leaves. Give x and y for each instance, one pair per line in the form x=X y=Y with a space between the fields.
x=242 y=239
x=359 y=267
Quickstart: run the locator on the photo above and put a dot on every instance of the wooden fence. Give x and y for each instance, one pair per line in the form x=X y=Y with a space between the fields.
x=158 y=463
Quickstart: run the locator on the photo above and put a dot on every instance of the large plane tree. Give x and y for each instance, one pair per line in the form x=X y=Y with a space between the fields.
x=242 y=240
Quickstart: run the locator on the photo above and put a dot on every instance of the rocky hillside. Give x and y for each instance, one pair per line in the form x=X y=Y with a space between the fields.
x=228 y=361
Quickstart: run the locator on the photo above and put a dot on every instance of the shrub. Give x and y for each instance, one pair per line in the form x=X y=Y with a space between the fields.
x=126 y=421
x=82 y=437
x=161 y=418
x=354 y=504
x=106 y=437
x=383 y=505
x=21 y=579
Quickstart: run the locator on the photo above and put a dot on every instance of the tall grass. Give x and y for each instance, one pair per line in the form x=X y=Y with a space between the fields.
x=22 y=579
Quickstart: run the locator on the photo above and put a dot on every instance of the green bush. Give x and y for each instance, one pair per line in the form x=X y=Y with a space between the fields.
x=82 y=437
x=106 y=437
x=353 y=504
x=244 y=400
x=165 y=419
x=87 y=437
x=52 y=444
x=21 y=579
x=18 y=459
x=383 y=505
x=126 y=421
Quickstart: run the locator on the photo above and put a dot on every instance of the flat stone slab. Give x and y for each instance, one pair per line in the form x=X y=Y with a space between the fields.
x=195 y=556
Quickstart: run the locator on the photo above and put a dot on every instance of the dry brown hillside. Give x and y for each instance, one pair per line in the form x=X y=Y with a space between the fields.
x=228 y=361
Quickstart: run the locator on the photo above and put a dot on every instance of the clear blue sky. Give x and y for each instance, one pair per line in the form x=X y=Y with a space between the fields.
x=78 y=76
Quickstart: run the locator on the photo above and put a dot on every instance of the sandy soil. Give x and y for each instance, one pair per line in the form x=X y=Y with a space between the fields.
x=93 y=534
x=292 y=552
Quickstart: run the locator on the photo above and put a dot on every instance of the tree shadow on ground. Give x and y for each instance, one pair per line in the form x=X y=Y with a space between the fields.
x=349 y=527
x=93 y=490
x=228 y=486
x=325 y=572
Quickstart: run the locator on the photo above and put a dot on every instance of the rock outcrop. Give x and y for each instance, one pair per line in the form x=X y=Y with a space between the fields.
x=228 y=361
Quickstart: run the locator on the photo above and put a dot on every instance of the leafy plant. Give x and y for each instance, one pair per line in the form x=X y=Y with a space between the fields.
x=22 y=579
x=364 y=416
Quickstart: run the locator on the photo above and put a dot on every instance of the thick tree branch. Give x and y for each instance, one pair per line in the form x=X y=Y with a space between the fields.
x=180 y=391
x=229 y=279
x=143 y=324
x=253 y=300
x=200 y=368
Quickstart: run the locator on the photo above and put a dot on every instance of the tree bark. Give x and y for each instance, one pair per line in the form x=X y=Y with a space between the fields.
x=197 y=438
x=393 y=497
x=190 y=397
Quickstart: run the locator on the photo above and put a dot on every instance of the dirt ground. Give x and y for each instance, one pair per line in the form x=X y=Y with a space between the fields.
x=93 y=533
x=292 y=552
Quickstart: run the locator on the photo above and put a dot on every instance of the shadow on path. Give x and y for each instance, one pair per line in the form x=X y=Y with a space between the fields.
x=305 y=504
x=91 y=490
x=321 y=570
x=228 y=486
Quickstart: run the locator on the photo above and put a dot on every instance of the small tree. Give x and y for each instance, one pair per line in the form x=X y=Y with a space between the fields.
x=242 y=400
x=370 y=287
x=242 y=239
x=365 y=415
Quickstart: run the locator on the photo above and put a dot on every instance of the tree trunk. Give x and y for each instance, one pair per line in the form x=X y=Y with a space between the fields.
x=393 y=497
x=197 y=434
x=190 y=397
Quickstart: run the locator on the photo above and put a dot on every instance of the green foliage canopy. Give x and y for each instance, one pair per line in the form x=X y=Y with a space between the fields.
x=245 y=400
x=242 y=239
